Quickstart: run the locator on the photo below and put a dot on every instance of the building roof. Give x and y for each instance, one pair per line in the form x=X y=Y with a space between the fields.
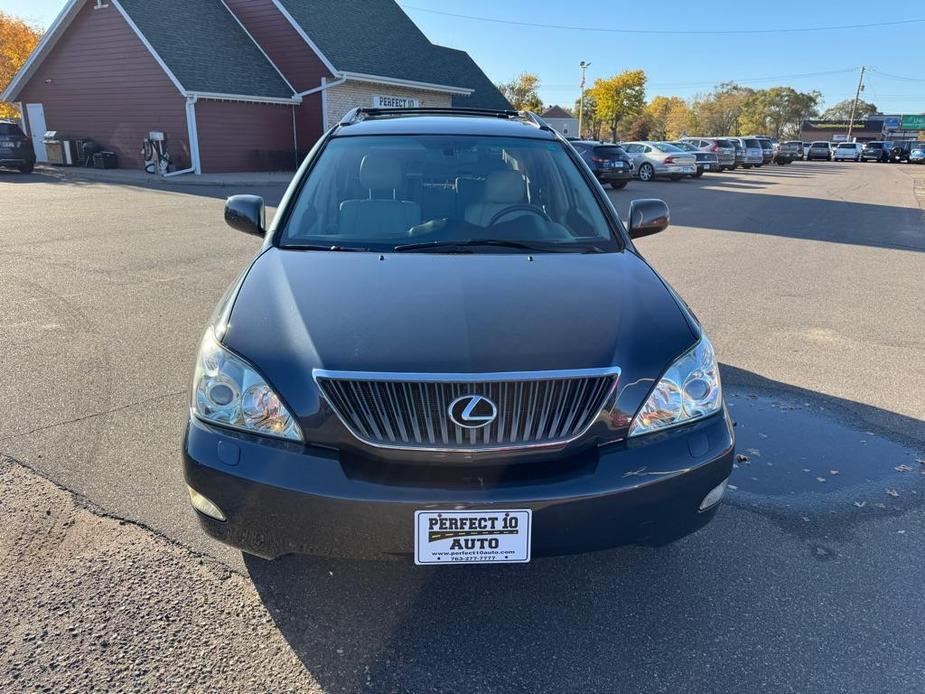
x=376 y=38
x=206 y=48
x=556 y=112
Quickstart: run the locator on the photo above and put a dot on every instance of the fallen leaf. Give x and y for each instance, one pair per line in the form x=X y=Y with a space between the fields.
x=741 y=458
x=763 y=436
x=920 y=461
x=892 y=492
x=901 y=532
x=860 y=504
x=754 y=451
x=903 y=468
x=880 y=505
x=820 y=479
x=806 y=469
x=732 y=487
x=805 y=518
x=834 y=472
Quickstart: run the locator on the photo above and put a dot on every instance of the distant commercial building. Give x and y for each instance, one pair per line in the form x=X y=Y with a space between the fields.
x=562 y=120
x=879 y=127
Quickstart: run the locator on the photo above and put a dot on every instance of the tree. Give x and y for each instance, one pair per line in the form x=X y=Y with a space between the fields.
x=842 y=110
x=719 y=112
x=642 y=127
x=17 y=39
x=619 y=98
x=522 y=92
x=778 y=111
x=592 y=124
x=670 y=117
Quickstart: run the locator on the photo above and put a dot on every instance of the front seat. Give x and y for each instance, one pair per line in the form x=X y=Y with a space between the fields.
x=385 y=215
x=502 y=189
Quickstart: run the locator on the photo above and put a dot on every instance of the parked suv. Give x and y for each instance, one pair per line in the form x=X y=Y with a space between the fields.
x=876 y=151
x=900 y=151
x=819 y=149
x=767 y=149
x=788 y=152
x=16 y=150
x=724 y=149
x=449 y=348
x=609 y=163
x=847 y=151
x=754 y=155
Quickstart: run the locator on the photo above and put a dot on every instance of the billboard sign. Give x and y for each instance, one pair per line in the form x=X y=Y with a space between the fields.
x=913 y=122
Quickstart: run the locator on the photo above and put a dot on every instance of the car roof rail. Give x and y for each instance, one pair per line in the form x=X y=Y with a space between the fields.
x=362 y=113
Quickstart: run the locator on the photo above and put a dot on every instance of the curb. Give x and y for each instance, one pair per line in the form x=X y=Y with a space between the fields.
x=136 y=178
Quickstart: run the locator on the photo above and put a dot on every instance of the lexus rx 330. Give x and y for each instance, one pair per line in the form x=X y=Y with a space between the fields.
x=449 y=348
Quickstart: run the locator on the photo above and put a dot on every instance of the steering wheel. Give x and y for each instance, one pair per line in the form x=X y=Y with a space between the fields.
x=522 y=207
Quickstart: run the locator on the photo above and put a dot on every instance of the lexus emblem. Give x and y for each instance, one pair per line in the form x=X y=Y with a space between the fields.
x=472 y=411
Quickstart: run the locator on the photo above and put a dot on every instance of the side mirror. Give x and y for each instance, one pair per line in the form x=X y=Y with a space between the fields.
x=246 y=213
x=648 y=217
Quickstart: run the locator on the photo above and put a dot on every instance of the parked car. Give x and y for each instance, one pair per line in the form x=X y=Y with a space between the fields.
x=653 y=159
x=788 y=152
x=806 y=146
x=847 y=151
x=16 y=150
x=445 y=325
x=740 y=151
x=609 y=163
x=706 y=161
x=876 y=151
x=901 y=151
x=723 y=148
x=819 y=150
x=917 y=153
x=754 y=155
x=767 y=149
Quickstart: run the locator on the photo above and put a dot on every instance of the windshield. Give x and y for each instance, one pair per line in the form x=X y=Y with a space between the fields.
x=10 y=129
x=393 y=192
x=752 y=143
x=686 y=146
x=874 y=145
x=765 y=144
x=665 y=147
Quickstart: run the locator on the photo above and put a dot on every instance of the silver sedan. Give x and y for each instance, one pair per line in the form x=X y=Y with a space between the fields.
x=651 y=159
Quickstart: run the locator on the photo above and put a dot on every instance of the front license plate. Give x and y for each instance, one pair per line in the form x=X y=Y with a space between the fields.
x=472 y=537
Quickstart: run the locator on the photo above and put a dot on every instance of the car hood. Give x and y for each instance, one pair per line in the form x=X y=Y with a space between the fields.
x=297 y=311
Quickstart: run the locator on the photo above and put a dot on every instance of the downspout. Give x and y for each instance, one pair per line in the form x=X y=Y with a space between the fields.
x=193 y=135
x=325 y=85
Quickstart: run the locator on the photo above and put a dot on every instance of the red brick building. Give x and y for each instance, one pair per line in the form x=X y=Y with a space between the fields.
x=236 y=85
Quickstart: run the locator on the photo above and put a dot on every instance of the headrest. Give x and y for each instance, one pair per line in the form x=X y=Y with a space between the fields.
x=380 y=171
x=506 y=187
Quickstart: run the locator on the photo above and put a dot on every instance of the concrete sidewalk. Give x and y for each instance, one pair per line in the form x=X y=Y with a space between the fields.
x=140 y=178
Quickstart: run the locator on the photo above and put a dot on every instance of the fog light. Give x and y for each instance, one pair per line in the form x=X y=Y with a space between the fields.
x=204 y=506
x=715 y=495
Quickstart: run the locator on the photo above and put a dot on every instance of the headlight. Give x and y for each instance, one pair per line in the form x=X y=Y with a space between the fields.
x=689 y=390
x=227 y=391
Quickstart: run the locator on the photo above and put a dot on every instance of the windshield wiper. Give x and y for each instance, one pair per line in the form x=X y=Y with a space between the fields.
x=323 y=247
x=463 y=246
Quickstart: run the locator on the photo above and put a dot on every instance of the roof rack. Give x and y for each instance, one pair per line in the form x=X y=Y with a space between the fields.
x=360 y=113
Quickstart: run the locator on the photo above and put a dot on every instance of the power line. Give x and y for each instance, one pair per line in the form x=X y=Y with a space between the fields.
x=897 y=77
x=662 y=32
x=710 y=83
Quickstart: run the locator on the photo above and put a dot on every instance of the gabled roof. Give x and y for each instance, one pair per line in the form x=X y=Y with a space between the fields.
x=375 y=38
x=199 y=44
x=556 y=112
x=206 y=48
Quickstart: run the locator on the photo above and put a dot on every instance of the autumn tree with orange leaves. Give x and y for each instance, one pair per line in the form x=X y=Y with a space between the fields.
x=17 y=39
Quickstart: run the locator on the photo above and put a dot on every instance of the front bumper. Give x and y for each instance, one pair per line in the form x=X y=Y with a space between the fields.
x=281 y=498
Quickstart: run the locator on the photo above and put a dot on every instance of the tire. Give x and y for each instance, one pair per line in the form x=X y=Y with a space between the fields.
x=698 y=174
x=619 y=185
x=646 y=172
x=27 y=168
x=746 y=166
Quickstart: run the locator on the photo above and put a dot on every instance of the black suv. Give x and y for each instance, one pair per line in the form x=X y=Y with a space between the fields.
x=876 y=151
x=448 y=347
x=16 y=149
x=901 y=151
x=609 y=163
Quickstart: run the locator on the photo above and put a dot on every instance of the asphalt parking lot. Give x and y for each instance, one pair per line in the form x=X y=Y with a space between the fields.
x=809 y=279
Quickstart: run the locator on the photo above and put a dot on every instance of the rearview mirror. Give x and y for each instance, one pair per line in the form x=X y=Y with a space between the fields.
x=648 y=217
x=246 y=213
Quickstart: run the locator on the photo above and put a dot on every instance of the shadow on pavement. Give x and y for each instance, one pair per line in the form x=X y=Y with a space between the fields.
x=712 y=202
x=631 y=619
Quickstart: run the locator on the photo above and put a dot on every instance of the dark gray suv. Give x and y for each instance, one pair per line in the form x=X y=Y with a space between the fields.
x=449 y=348
x=16 y=150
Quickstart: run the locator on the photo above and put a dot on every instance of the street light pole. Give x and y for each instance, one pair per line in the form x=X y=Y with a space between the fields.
x=854 y=105
x=581 y=101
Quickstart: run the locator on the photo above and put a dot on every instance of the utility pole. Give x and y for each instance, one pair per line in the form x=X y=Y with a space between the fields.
x=581 y=101
x=854 y=106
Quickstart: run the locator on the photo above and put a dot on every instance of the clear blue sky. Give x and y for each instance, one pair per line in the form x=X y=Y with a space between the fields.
x=676 y=64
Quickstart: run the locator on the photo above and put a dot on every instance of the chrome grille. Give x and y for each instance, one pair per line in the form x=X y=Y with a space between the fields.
x=402 y=410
